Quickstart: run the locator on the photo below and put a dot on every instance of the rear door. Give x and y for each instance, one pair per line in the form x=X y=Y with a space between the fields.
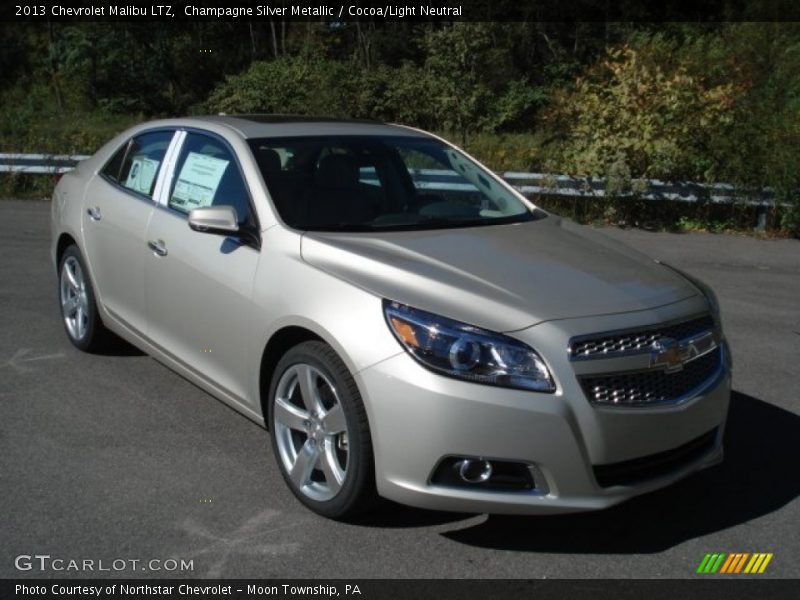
x=117 y=210
x=199 y=285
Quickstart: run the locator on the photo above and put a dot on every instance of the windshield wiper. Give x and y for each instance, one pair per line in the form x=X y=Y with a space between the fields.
x=424 y=223
x=456 y=223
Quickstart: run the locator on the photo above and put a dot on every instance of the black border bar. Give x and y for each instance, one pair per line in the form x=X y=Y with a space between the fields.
x=702 y=587
x=710 y=11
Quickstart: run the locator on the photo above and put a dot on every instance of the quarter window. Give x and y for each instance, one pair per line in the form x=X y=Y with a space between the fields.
x=207 y=175
x=136 y=165
x=114 y=166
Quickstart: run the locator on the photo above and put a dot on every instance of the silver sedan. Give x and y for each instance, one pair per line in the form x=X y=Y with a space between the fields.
x=403 y=322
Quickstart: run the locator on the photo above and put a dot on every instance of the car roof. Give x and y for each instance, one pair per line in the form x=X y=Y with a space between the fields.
x=268 y=125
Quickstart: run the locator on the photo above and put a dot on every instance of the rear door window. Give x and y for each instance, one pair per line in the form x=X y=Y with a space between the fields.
x=137 y=164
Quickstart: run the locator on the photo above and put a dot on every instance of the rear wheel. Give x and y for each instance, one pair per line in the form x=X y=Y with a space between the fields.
x=78 y=307
x=320 y=434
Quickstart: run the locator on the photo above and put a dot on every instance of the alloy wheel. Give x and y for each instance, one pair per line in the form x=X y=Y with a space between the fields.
x=311 y=432
x=74 y=300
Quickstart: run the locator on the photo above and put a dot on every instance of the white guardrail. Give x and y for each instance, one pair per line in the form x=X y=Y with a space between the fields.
x=529 y=184
x=39 y=163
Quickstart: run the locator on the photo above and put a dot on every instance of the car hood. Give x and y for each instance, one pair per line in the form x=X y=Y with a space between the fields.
x=501 y=277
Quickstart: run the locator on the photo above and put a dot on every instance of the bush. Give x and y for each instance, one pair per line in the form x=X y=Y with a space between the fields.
x=639 y=109
x=507 y=151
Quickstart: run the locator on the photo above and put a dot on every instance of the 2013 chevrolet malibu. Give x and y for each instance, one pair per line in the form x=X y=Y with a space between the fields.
x=402 y=321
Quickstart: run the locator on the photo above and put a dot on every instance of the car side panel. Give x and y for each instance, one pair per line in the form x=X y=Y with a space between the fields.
x=67 y=207
x=115 y=249
x=199 y=299
x=288 y=292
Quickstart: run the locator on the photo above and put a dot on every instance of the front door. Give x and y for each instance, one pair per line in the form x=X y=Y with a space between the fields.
x=199 y=285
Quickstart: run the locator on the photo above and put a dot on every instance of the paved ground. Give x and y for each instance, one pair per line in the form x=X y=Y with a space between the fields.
x=106 y=457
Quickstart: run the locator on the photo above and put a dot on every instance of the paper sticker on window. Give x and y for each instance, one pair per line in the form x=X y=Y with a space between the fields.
x=143 y=172
x=198 y=181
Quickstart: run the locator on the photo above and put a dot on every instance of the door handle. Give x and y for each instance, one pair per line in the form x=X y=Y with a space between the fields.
x=158 y=247
x=94 y=213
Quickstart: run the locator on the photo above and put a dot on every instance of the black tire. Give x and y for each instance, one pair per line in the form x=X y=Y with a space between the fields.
x=95 y=336
x=357 y=493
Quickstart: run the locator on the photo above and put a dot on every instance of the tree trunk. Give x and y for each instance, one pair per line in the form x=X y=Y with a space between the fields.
x=54 y=67
x=253 y=49
x=274 y=38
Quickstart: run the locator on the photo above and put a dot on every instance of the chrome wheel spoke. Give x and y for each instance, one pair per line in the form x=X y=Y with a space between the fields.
x=334 y=421
x=291 y=416
x=334 y=475
x=304 y=464
x=80 y=322
x=73 y=276
x=307 y=380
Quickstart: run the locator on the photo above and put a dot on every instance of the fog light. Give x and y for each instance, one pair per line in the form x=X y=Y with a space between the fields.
x=474 y=471
x=481 y=474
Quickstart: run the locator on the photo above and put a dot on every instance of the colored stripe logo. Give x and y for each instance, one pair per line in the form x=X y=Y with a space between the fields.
x=737 y=562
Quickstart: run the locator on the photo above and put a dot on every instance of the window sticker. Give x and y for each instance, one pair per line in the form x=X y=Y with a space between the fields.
x=143 y=172
x=198 y=181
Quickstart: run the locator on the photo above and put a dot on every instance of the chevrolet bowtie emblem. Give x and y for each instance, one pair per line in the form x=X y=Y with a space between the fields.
x=672 y=355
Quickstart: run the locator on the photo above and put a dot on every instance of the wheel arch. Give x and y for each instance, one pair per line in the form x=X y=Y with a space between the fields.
x=279 y=344
x=65 y=240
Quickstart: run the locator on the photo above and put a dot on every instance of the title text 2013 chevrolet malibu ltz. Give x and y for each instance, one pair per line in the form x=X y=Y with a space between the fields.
x=403 y=322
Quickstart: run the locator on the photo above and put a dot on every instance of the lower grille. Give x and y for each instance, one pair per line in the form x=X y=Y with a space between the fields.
x=655 y=465
x=652 y=386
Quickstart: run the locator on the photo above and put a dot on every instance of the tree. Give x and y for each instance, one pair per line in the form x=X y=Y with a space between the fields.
x=644 y=105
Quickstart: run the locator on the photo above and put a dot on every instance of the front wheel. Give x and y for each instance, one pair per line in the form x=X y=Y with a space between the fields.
x=320 y=433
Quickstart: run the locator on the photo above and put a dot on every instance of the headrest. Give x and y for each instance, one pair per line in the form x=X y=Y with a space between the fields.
x=268 y=161
x=337 y=171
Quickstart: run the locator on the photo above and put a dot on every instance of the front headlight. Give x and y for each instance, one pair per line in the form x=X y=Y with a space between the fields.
x=466 y=352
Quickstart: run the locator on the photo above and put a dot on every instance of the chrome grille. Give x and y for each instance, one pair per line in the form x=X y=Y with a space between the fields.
x=652 y=386
x=640 y=340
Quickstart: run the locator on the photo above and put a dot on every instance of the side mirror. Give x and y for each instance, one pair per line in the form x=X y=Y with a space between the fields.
x=214 y=219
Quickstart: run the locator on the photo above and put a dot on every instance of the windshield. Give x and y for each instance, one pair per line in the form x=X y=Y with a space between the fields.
x=369 y=183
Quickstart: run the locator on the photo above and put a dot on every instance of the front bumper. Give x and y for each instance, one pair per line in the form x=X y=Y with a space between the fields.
x=419 y=418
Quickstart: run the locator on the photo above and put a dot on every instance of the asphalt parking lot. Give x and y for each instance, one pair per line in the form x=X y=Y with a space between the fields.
x=115 y=456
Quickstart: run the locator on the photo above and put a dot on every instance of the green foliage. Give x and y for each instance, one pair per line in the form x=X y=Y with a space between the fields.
x=687 y=223
x=763 y=149
x=719 y=104
x=704 y=102
x=472 y=87
x=295 y=85
x=663 y=216
x=291 y=85
x=506 y=151
x=400 y=94
x=641 y=109
x=30 y=122
x=456 y=87
x=789 y=220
